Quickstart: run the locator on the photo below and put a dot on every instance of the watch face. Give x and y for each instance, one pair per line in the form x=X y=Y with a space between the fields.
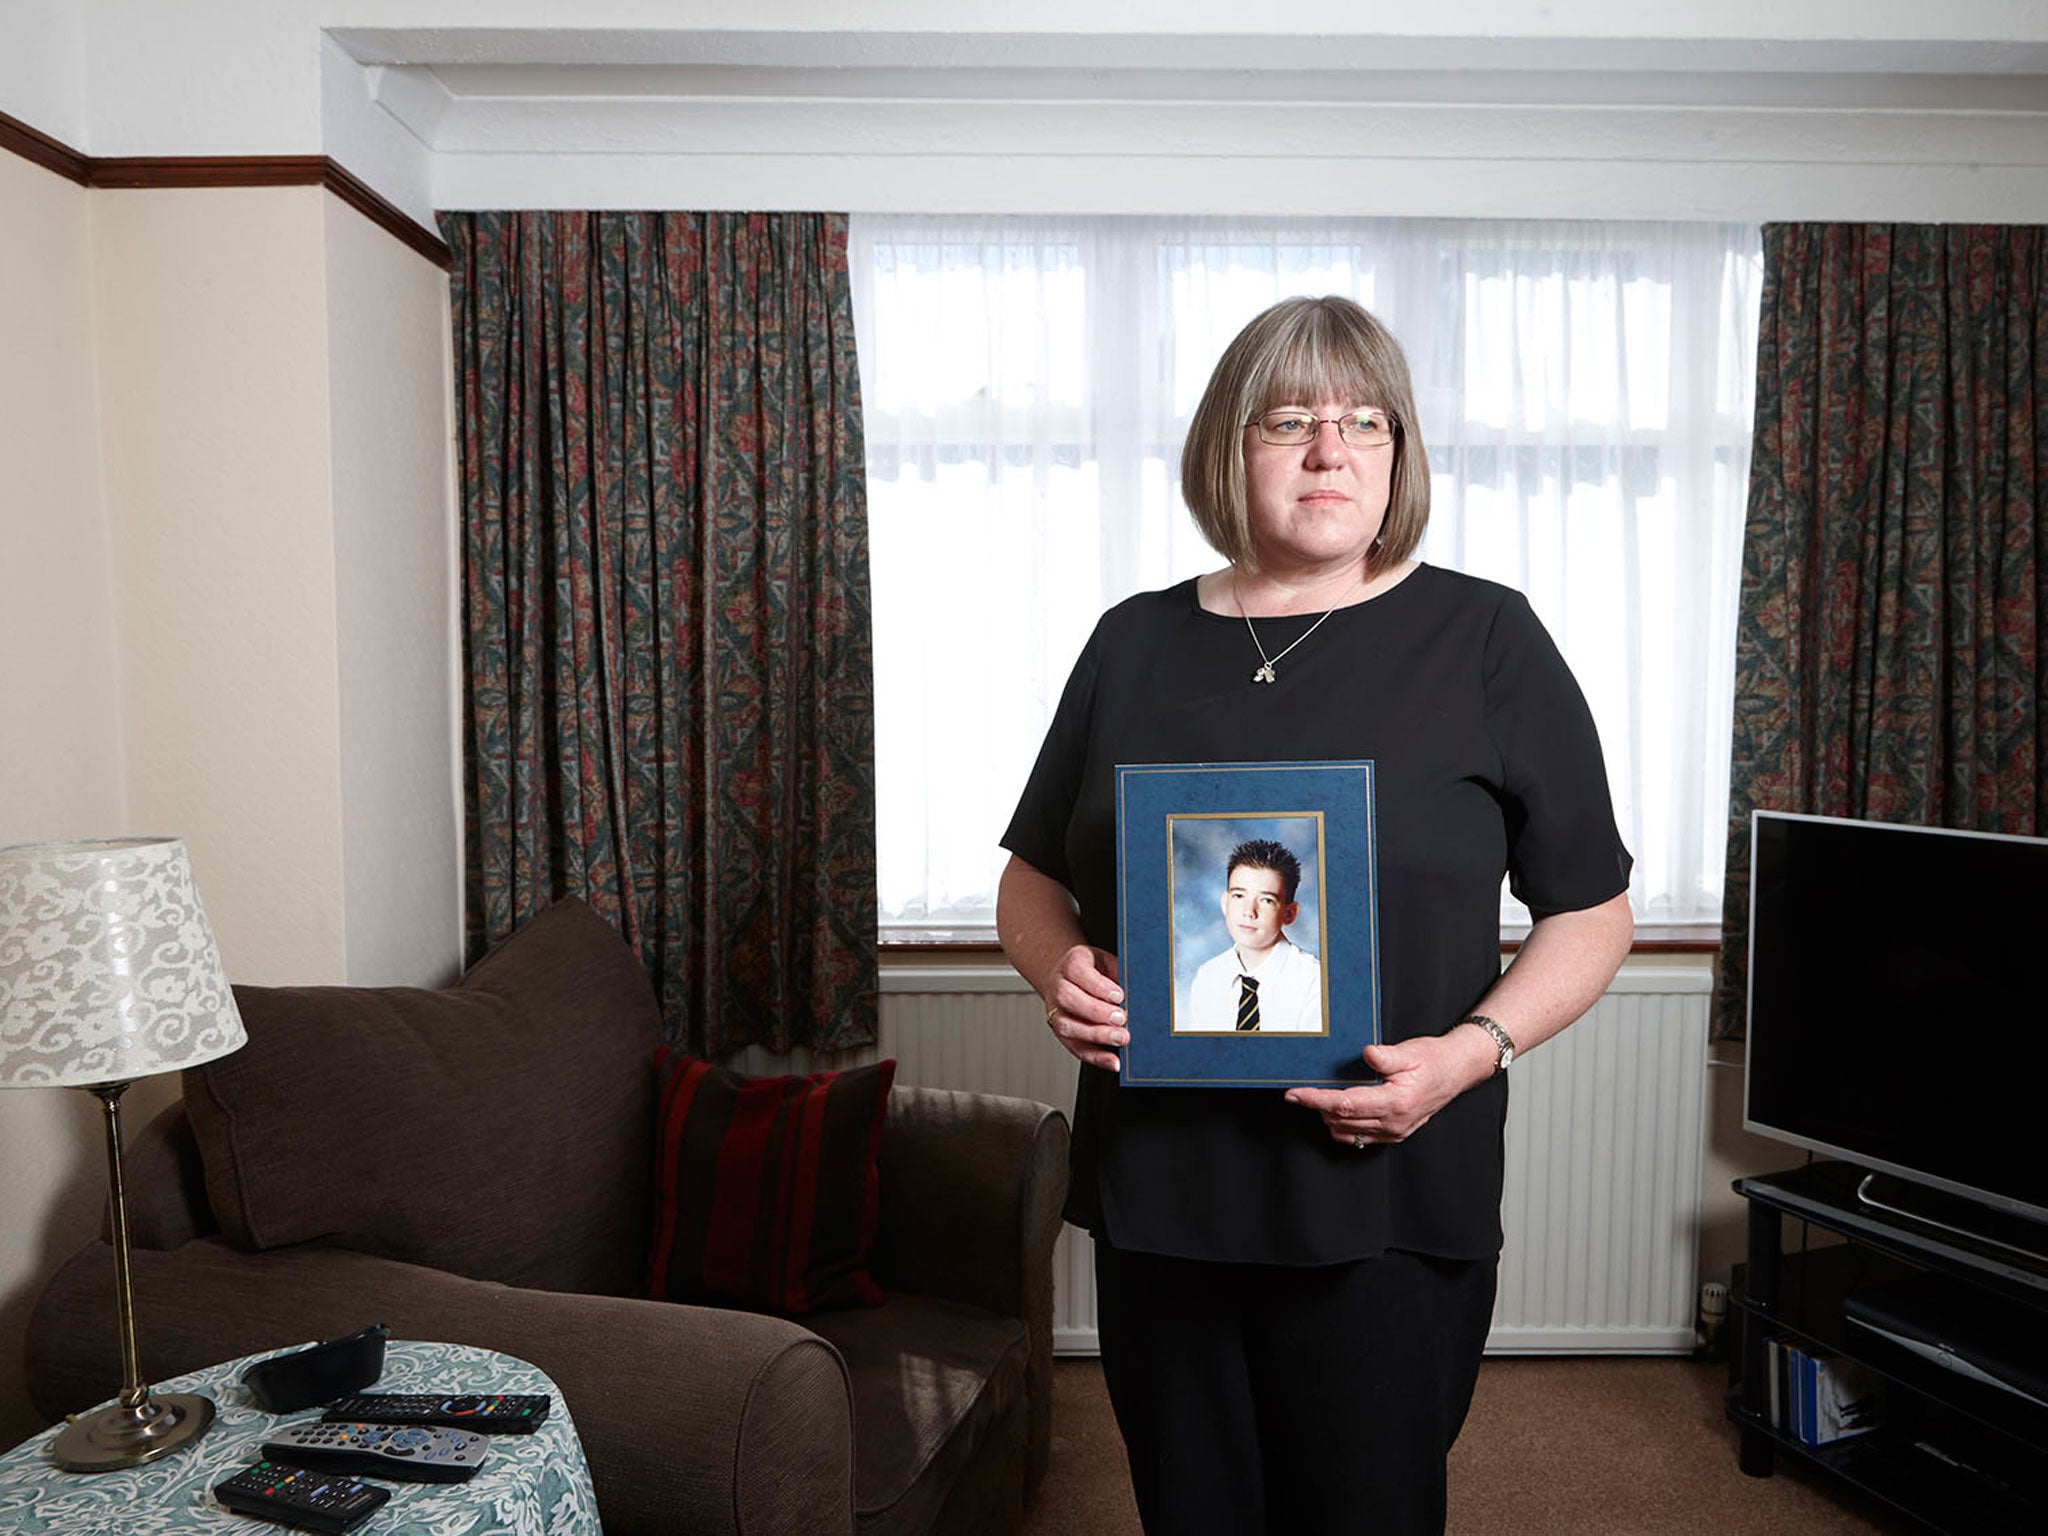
x=1505 y=1045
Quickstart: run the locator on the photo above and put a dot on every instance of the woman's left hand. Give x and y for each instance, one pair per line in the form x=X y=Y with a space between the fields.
x=1418 y=1078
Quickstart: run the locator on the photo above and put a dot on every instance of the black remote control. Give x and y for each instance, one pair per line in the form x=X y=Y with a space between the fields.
x=513 y=1415
x=407 y=1453
x=313 y=1501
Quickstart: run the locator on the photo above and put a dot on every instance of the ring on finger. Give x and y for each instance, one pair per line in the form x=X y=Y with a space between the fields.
x=1052 y=1016
x=1358 y=1140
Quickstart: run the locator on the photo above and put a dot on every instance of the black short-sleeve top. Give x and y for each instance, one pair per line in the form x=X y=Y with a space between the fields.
x=1485 y=762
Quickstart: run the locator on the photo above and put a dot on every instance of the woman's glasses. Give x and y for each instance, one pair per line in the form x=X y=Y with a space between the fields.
x=1296 y=429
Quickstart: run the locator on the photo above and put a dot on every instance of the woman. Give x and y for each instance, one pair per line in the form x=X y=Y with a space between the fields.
x=1293 y=1289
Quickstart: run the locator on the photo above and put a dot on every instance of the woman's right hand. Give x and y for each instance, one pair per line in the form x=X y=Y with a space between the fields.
x=1084 y=1006
x=1036 y=921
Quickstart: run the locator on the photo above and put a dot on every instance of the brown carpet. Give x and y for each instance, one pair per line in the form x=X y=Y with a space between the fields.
x=1589 y=1447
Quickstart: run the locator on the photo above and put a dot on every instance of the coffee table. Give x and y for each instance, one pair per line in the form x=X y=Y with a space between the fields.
x=533 y=1485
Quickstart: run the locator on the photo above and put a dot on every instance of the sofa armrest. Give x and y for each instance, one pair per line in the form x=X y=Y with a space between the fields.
x=692 y=1419
x=972 y=1185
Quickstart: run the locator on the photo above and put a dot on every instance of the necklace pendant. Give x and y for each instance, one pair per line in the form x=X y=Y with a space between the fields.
x=1264 y=674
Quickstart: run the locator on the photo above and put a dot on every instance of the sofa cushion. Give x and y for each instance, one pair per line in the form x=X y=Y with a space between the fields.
x=765 y=1191
x=497 y=1129
x=934 y=1382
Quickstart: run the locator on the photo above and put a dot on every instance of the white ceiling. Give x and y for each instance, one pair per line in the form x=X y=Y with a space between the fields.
x=561 y=67
x=1930 y=49
x=1748 y=109
x=467 y=87
x=1982 y=91
x=1650 y=108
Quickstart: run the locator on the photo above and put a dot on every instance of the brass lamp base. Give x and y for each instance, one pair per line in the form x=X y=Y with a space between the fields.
x=118 y=1436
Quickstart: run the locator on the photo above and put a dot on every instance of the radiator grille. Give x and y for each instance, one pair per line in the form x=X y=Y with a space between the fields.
x=1604 y=1146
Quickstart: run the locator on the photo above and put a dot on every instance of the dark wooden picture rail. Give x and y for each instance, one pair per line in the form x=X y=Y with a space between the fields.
x=221 y=171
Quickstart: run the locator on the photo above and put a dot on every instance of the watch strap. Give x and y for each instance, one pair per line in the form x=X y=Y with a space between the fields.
x=1503 y=1042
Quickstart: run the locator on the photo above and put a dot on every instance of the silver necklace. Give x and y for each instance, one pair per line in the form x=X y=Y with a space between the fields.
x=1265 y=671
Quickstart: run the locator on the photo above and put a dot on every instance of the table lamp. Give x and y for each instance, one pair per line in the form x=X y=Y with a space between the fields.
x=108 y=973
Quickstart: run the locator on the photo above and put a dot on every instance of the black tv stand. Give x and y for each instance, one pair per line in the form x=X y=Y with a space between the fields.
x=1974 y=1223
x=1952 y=1451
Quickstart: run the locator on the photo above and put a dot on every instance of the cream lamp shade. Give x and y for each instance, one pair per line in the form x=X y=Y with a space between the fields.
x=108 y=973
x=108 y=968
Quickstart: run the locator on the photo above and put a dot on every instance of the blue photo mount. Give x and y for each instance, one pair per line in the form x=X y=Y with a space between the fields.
x=1332 y=804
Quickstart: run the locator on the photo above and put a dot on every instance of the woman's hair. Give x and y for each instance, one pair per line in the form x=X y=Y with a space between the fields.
x=1302 y=352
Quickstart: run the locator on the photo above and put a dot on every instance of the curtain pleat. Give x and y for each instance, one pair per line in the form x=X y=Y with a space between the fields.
x=1893 y=587
x=668 y=680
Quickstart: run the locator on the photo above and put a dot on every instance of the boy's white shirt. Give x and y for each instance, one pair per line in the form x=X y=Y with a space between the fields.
x=1290 y=992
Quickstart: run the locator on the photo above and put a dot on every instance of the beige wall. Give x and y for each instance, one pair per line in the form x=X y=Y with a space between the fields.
x=56 y=604
x=1732 y=1152
x=225 y=604
x=60 y=759
x=212 y=324
x=391 y=431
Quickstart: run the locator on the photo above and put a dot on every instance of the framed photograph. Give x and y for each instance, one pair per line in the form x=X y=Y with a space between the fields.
x=1248 y=923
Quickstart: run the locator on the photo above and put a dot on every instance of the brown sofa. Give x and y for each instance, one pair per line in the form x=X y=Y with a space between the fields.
x=474 y=1165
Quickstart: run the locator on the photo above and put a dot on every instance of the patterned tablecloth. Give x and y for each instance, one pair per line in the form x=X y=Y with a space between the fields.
x=533 y=1485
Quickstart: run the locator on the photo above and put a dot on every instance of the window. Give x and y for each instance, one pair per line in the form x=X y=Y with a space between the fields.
x=1585 y=399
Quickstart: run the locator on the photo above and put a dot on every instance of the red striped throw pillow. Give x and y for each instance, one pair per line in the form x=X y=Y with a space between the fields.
x=765 y=1192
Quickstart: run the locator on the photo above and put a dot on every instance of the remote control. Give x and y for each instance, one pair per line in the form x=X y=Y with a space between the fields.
x=409 y=1453
x=313 y=1501
x=518 y=1415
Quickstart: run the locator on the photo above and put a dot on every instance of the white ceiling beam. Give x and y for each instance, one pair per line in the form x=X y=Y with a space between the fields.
x=1931 y=49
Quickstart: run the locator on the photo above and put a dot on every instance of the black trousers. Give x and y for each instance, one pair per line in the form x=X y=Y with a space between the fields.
x=1268 y=1398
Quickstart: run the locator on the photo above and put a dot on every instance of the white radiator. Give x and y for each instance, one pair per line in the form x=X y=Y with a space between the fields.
x=1606 y=1132
x=1605 y=1138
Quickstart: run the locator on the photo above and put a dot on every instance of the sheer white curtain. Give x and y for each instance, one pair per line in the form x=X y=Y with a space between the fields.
x=1585 y=398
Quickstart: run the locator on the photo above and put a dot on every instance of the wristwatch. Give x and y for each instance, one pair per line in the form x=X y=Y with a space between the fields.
x=1501 y=1038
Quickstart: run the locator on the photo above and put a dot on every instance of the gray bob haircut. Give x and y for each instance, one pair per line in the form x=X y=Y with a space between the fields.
x=1302 y=352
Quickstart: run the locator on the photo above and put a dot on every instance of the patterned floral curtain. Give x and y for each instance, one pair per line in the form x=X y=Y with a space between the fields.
x=668 y=671
x=1893 y=575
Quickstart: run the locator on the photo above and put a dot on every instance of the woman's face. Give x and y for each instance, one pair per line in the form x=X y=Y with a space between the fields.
x=1315 y=507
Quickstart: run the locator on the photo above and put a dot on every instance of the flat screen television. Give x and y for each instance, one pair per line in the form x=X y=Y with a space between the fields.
x=1898 y=1007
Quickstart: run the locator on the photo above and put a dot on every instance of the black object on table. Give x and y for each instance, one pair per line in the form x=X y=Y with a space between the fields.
x=516 y=1414
x=319 y=1373
x=328 y=1502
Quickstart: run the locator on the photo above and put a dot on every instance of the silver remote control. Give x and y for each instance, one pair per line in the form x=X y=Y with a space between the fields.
x=410 y=1453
